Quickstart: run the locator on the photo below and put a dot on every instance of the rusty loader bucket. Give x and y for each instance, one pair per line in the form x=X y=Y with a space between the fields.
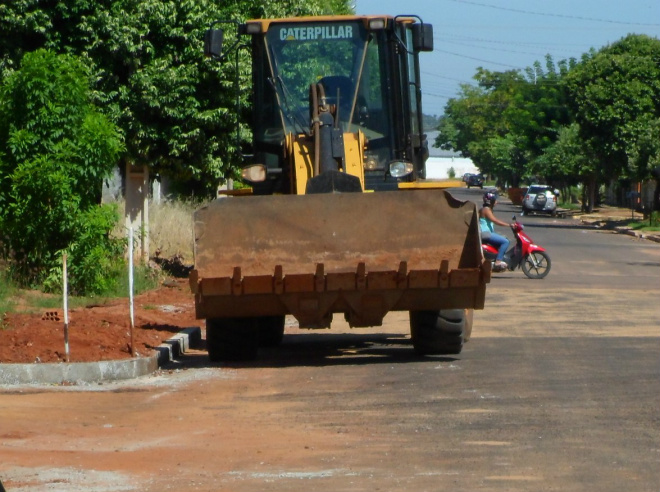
x=360 y=254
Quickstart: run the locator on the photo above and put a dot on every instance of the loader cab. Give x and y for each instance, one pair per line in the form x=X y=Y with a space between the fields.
x=369 y=69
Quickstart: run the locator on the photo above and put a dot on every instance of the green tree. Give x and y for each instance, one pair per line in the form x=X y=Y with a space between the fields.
x=508 y=119
x=55 y=149
x=615 y=95
x=568 y=161
x=175 y=108
x=474 y=124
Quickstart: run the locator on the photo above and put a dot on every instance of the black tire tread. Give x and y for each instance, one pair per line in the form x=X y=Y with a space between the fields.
x=529 y=272
x=231 y=339
x=270 y=330
x=438 y=332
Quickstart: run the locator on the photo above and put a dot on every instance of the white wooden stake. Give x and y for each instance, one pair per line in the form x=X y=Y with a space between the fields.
x=130 y=288
x=65 y=288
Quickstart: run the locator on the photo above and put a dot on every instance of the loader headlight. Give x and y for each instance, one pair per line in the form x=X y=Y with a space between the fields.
x=254 y=173
x=370 y=164
x=377 y=24
x=399 y=169
x=253 y=28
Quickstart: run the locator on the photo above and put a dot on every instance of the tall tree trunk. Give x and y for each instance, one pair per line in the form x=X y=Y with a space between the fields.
x=589 y=193
x=592 y=194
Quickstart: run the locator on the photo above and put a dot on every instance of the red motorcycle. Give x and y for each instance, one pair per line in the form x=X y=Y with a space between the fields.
x=532 y=258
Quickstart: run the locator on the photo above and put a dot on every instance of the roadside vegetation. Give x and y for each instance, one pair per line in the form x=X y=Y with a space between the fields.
x=170 y=229
x=171 y=240
x=88 y=87
x=652 y=224
x=589 y=122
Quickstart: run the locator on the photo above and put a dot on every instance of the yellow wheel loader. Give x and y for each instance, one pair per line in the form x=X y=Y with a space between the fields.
x=340 y=218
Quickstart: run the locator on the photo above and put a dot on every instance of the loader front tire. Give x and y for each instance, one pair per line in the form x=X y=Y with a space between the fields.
x=231 y=339
x=270 y=330
x=438 y=332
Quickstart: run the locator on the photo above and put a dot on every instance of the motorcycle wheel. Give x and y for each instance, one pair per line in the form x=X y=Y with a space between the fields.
x=536 y=265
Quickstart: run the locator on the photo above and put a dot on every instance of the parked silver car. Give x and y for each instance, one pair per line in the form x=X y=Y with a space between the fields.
x=540 y=198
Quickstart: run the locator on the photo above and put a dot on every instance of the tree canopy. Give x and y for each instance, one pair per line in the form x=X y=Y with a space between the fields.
x=584 y=120
x=507 y=119
x=175 y=108
x=615 y=96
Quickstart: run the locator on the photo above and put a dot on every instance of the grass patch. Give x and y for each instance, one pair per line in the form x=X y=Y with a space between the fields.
x=651 y=224
x=144 y=279
x=13 y=299
x=6 y=293
x=170 y=228
x=570 y=206
x=39 y=301
x=643 y=226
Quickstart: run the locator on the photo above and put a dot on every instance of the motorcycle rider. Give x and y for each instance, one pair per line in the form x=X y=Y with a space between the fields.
x=488 y=235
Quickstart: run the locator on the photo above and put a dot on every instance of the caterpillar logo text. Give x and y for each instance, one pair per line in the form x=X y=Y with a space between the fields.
x=317 y=32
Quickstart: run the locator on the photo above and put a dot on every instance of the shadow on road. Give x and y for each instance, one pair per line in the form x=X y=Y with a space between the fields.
x=319 y=350
x=555 y=225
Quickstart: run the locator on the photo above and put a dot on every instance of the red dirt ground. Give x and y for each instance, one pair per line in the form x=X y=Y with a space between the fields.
x=99 y=332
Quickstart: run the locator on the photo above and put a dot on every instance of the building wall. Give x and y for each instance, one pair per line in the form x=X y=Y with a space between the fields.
x=438 y=167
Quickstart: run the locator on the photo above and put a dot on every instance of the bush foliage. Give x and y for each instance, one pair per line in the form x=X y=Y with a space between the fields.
x=55 y=149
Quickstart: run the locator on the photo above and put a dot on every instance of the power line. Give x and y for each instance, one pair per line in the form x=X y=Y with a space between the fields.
x=443 y=77
x=482 y=44
x=528 y=43
x=469 y=45
x=563 y=16
x=477 y=59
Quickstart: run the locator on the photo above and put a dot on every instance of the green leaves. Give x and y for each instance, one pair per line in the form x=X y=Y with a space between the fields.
x=616 y=97
x=56 y=150
x=603 y=108
x=175 y=108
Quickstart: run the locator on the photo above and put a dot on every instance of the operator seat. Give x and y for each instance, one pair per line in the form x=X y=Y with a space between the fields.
x=331 y=84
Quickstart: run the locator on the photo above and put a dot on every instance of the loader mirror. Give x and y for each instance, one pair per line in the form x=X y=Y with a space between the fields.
x=213 y=43
x=422 y=37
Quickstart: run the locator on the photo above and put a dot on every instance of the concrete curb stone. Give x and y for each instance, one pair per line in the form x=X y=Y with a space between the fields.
x=95 y=372
x=641 y=235
x=651 y=236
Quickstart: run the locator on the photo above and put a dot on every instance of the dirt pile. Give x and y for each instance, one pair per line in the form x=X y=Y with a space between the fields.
x=99 y=332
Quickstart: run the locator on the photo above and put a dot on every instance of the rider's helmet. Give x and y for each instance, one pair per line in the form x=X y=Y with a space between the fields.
x=490 y=197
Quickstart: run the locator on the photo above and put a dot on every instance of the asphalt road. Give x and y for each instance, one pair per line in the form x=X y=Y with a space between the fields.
x=558 y=390
x=582 y=254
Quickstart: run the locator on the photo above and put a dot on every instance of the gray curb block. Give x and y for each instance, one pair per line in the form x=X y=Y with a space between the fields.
x=95 y=372
x=653 y=236
x=640 y=235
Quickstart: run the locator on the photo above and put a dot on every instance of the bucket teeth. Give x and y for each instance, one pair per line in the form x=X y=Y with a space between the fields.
x=359 y=280
x=358 y=254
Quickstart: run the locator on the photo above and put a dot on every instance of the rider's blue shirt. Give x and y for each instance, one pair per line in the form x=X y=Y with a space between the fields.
x=486 y=225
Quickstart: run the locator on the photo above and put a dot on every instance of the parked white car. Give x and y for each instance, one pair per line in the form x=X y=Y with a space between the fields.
x=540 y=198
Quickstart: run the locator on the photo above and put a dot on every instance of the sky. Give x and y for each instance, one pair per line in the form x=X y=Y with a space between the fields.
x=501 y=35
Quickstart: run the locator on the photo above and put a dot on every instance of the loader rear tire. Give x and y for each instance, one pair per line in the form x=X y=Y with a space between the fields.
x=270 y=330
x=438 y=332
x=231 y=339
